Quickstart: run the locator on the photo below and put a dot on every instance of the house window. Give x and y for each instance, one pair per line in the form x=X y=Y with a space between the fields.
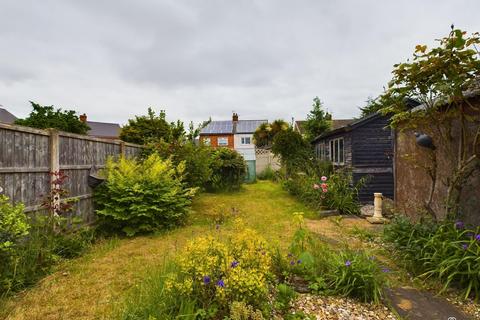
x=337 y=153
x=207 y=141
x=321 y=151
x=245 y=140
x=223 y=141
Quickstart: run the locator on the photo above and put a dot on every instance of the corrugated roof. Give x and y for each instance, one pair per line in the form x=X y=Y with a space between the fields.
x=6 y=117
x=248 y=126
x=227 y=127
x=103 y=129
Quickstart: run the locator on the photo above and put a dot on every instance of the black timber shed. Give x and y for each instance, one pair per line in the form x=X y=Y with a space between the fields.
x=364 y=146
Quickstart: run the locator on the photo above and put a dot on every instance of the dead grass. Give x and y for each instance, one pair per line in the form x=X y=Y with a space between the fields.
x=90 y=287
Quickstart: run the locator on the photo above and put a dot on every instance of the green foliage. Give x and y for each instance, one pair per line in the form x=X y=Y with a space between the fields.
x=228 y=170
x=292 y=149
x=318 y=121
x=44 y=117
x=152 y=300
x=33 y=247
x=197 y=160
x=345 y=272
x=285 y=294
x=216 y=273
x=142 y=196
x=152 y=128
x=267 y=174
x=439 y=78
x=448 y=252
x=266 y=132
x=326 y=192
x=372 y=106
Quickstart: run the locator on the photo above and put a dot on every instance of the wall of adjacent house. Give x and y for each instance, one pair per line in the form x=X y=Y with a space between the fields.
x=237 y=141
x=28 y=156
x=413 y=182
x=214 y=140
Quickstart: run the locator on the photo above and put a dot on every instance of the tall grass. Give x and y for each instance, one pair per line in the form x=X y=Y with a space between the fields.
x=151 y=300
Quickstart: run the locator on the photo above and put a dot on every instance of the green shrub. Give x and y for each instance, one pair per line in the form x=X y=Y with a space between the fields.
x=197 y=160
x=13 y=225
x=228 y=170
x=344 y=272
x=267 y=174
x=448 y=252
x=332 y=192
x=31 y=256
x=142 y=196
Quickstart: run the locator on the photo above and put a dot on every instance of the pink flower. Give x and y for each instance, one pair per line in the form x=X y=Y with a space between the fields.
x=316 y=186
x=324 y=178
x=324 y=186
x=324 y=190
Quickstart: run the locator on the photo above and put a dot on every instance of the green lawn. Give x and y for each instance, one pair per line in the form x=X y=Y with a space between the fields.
x=90 y=287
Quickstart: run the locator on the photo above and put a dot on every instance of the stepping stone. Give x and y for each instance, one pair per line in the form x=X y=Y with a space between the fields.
x=413 y=304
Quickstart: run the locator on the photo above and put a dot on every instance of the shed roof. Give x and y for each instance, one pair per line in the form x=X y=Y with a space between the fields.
x=6 y=116
x=350 y=125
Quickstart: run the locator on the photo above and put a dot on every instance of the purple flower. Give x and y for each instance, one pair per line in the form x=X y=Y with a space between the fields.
x=234 y=264
x=299 y=261
x=477 y=237
x=459 y=224
x=292 y=263
x=385 y=270
x=469 y=234
x=220 y=283
x=206 y=279
x=348 y=263
x=464 y=246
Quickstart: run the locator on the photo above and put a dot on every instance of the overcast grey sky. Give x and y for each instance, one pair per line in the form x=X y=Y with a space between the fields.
x=201 y=58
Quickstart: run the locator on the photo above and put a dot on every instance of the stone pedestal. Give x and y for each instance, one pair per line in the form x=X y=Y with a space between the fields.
x=377 y=211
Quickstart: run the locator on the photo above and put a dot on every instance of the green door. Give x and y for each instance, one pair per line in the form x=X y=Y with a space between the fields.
x=251 y=172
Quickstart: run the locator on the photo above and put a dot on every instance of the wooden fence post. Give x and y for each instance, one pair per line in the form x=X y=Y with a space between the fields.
x=54 y=169
x=122 y=149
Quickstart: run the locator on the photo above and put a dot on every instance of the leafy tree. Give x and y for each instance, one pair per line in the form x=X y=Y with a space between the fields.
x=228 y=170
x=264 y=134
x=151 y=128
x=44 y=117
x=193 y=132
x=318 y=120
x=292 y=149
x=439 y=78
x=371 y=106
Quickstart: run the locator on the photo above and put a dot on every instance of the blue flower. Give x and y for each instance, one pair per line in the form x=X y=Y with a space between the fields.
x=292 y=263
x=220 y=283
x=464 y=246
x=299 y=261
x=459 y=224
x=234 y=264
x=348 y=263
x=206 y=279
x=385 y=270
x=477 y=237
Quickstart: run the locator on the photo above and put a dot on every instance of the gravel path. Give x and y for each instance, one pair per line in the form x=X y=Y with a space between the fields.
x=336 y=308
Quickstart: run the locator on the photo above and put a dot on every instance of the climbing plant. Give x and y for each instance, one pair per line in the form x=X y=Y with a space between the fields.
x=443 y=79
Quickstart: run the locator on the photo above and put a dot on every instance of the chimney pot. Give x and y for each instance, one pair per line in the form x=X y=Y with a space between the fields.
x=83 y=117
x=235 y=117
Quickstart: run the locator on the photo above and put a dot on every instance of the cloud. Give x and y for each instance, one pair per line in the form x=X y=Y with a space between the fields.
x=196 y=59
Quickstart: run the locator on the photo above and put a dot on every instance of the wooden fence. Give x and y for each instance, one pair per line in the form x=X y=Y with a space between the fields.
x=27 y=156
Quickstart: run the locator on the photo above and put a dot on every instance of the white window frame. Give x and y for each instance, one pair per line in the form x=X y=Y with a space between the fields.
x=224 y=141
x=244 y=139
x=337 y=156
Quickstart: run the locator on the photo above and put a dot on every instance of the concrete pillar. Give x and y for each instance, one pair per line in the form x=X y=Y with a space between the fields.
x=377 y=203
x=377 y=211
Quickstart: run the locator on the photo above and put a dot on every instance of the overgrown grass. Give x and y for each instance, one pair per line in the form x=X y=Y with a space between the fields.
x=93 y=285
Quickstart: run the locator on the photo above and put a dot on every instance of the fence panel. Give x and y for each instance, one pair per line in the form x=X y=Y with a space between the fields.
x=26 y=160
